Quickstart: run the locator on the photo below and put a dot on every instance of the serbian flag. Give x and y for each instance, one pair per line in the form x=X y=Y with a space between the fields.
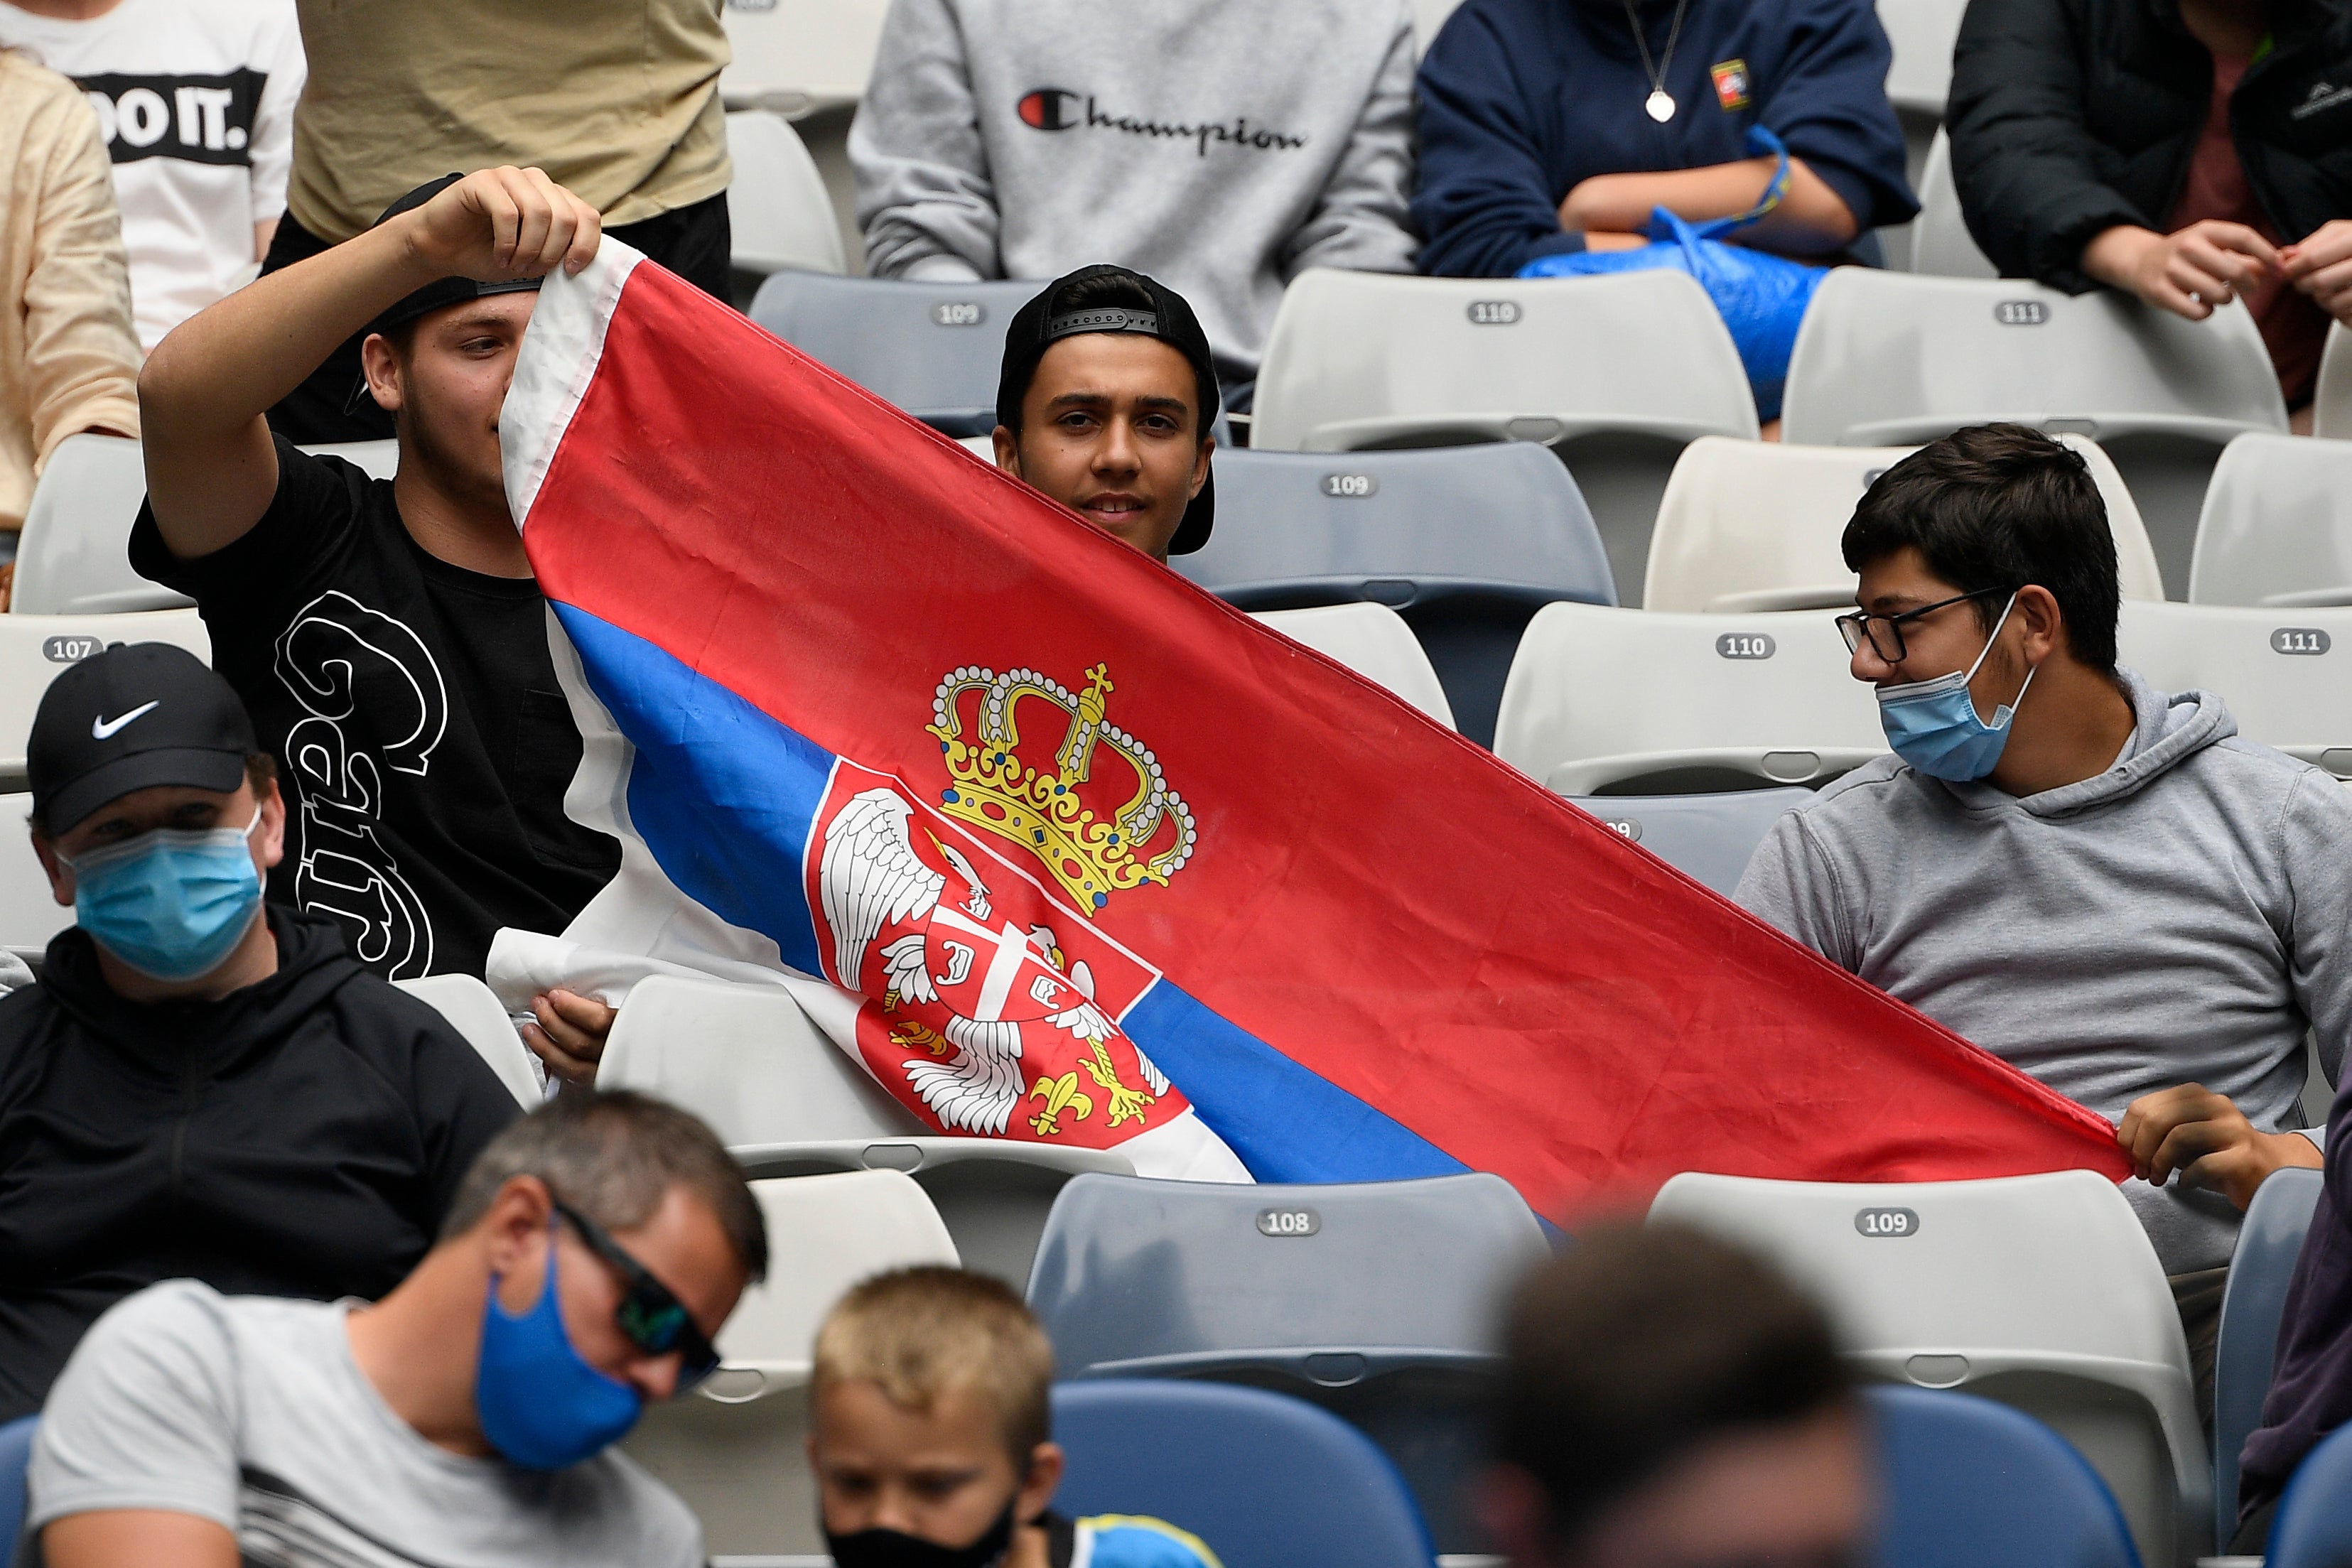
x=1061 y=849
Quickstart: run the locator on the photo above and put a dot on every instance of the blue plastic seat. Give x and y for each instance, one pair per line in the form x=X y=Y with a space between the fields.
x=1967 y=1483
x=935 y=349
x=2314 y=1527
x=1466 y=543
x=1377 y=1300
x=1267 y=1481
x=1710 y=838
x=2268 y=1245
x=16 y=1454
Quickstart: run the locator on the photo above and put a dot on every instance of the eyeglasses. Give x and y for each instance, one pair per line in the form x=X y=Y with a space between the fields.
x=1886 y=632
x=649 y=1315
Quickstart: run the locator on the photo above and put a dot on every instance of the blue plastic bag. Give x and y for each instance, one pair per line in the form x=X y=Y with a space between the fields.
x=1760 y=297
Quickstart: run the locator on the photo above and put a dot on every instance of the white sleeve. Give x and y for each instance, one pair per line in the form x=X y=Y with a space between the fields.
x=278 y=52
x=145 y=1415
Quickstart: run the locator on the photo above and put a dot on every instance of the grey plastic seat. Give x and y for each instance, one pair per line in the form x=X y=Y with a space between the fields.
x=778 y=214
x=71 y=558
x=2331 y=404
x=2280 y=671
x=1941 y=245
x=1922 y=32
x=1616 y=374
x=1374 y=1300
x=1371 y=640
x=795 y=55
x=1710 y=838
x=1886 y=359
x=2276 y=528
x=1465 y=543
x=2268 y=1244
x=935 y=349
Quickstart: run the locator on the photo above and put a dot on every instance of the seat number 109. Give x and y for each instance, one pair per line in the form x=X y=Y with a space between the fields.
x=1887 y=1222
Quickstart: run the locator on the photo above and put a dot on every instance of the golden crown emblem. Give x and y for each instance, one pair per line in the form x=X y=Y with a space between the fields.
x=1097 y=836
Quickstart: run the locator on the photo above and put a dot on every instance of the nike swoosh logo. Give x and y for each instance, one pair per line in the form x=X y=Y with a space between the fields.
x=108 y=728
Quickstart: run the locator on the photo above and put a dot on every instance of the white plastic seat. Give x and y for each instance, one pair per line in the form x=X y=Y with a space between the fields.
x=2331 y=404
x=1755 y=525
x=2281 y=672
x=2277 y=525
x=1616 y=374
x=35 y=649
x=1941 y=245
x=381 y=459
x=1923 y=33
x=795 y=55
x=30 y=915
x=70 y=557
x=1627 y=700
x=1887 y=358
x=2039 y=1292
x=475 y=1013
x=777 y=209
x=775 y=1088
x=1374 y=640
x=736 y=1448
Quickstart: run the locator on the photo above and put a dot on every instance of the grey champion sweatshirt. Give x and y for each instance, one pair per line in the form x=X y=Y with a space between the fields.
x=2182 y=917
x=1221 y=146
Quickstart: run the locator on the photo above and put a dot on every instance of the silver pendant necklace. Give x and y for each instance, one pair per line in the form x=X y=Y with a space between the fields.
x=1660 y=104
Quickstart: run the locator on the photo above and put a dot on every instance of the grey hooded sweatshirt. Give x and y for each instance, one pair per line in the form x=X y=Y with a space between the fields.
x=1221 y=146
x=2183 y=917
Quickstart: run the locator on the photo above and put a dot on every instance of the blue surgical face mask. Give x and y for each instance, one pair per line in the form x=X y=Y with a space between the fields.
x=1933 y=725
x=172 y=903
x=539 y=1404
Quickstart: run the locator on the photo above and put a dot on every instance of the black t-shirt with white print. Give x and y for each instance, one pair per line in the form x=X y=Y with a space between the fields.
x=423 y=742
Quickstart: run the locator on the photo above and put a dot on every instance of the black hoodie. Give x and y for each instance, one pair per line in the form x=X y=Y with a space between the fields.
x=299 y=1137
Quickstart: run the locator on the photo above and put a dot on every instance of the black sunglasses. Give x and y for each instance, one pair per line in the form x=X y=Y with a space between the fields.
x=1886 y=632
x=649 y=1315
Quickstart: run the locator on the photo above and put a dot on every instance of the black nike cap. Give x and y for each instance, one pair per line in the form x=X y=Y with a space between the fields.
x=1048 y=318
x=441 y=291
x=134 y=716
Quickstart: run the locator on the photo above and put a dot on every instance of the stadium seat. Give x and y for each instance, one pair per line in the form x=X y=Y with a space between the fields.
x=777 y=209
x=30 y=915
x=1616 y=374
x=2251 y=1305
x=1465 y=542
x=475 y=1013
x=1941 y=245
x=2277 y=525
x=936 y=350
x=1607 y=702
x=736 y=1448
x=1710 y=838
x=2280 y=671
x=16 y=1455
x=381 y=459
x=2331 y=406
x=1923 y=33
x=1967 y=1483
x=794 y=55
x=2312 y=1528
x=1304 y=1289
x=1264 y=1479
x=1755 y=525
x=2039 y=1292
x=789 y=1103
x=69 y=558
x=1374 y=640
x=35 y=649
x=1887 y=359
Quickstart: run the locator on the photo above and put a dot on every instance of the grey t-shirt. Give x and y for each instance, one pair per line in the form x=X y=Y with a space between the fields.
x=251 y=1412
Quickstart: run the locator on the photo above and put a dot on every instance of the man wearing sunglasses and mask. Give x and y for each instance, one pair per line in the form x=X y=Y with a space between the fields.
x=2105 y=885
x=199 y=1086
x=591 y=1254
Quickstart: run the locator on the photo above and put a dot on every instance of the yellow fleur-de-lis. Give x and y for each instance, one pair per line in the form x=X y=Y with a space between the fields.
x=1060 y=1095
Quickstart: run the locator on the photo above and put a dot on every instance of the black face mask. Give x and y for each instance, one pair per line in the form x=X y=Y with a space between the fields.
x=889 y=1549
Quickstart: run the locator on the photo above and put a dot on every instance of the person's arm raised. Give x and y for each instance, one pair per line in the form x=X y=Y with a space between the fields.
x=211 y=468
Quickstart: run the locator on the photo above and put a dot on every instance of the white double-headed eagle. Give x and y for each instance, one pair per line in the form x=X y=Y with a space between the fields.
x=871 y=878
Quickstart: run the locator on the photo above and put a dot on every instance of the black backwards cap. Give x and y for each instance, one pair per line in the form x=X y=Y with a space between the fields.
x=136 y=716
x=1039 y=325
x=441 y=291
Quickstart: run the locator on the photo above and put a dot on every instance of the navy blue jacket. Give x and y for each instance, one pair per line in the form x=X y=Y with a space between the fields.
x=1520 y=100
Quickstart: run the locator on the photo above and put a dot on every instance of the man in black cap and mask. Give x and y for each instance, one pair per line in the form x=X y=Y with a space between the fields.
x=199 y=1086
x=387 y=636
x=1105 y=406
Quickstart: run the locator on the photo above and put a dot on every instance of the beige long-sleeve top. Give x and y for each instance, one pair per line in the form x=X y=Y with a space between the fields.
x=68 y=358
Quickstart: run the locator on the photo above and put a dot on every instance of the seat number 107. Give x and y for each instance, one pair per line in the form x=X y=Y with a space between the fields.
x=1887 y=1222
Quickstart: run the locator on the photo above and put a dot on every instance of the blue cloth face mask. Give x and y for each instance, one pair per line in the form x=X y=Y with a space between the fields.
x=1933 y=725
x=172 y=903
x=540 y=1404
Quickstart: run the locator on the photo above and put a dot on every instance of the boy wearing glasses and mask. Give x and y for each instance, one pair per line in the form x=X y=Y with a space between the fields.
x=591 y=1254
x=201 y=1087
x=931 y=1436
x=2104 y=884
